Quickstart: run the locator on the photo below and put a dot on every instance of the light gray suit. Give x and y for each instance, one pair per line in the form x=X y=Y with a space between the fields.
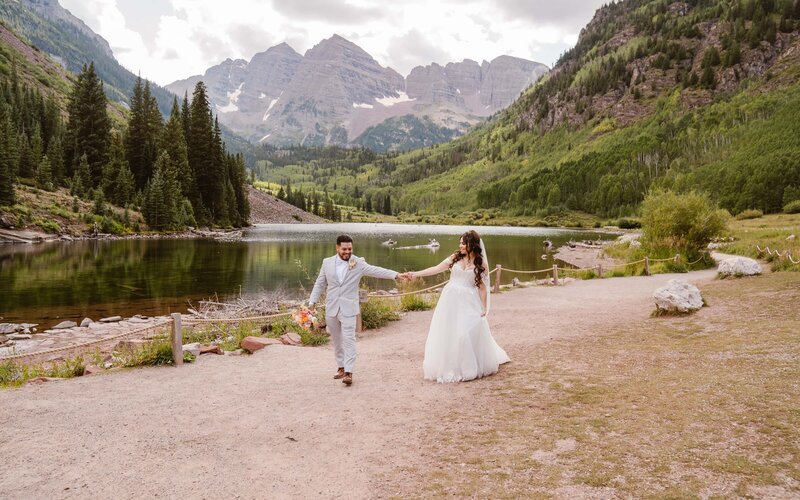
x=342 y=305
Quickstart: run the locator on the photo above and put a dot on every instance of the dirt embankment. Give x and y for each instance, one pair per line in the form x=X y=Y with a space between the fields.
x=266 y=209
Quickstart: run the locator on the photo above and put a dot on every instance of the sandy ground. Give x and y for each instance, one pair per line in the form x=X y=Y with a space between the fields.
x=275 y=424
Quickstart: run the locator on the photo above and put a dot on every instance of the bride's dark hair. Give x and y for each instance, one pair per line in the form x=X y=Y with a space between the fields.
x=473 y=244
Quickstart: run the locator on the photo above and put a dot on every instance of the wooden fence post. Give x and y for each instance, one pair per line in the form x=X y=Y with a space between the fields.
x=646 y=266
x=677 y=259
x=177 y=340
x=363 y=296
x=497 y=279
x=555 y=275
x=600 y=270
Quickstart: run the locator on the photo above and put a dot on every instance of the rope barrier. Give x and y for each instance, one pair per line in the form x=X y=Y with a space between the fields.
x=202 y=321
x=390 y=295
x=84 y=344
x=526 y=272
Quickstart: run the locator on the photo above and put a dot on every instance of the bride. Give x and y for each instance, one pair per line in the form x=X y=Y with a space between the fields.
x=460 y=346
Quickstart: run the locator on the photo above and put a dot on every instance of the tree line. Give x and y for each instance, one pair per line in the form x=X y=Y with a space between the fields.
x=177 y=171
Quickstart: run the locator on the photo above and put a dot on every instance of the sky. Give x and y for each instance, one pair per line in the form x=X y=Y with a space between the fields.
x=168 y=40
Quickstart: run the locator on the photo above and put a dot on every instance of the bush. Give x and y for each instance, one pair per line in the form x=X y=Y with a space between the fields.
x=683 y=223
x=629 y=224
x=414 y=303
x=157 y=352
x=377 y=312
x=793 y=207
x=48 y=226
x=749 y=214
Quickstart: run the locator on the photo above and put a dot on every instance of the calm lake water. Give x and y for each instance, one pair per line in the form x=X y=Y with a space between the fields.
x=51 y=282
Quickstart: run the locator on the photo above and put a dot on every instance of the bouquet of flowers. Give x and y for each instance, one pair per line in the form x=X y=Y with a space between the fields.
x=305 y=319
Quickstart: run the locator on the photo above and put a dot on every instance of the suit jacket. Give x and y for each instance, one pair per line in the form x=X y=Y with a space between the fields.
x=342 y=296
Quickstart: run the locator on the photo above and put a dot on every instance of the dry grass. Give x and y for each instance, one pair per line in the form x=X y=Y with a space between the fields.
x=698 y=406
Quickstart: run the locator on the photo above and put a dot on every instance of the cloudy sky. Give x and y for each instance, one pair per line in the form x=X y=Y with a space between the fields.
x=166 y=40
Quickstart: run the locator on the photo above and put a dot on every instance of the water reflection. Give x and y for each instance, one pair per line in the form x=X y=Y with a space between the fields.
x=46 y=283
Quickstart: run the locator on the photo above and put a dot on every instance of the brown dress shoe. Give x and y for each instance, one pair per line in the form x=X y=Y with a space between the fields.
x=348 y=378
x=339 y=374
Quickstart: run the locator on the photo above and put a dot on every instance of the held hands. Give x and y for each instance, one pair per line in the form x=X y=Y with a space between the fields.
x=405 y=276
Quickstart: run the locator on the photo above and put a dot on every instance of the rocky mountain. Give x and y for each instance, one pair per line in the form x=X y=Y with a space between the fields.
x=336 y=92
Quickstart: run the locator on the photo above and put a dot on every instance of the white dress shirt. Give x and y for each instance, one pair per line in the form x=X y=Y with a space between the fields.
x=341 y=268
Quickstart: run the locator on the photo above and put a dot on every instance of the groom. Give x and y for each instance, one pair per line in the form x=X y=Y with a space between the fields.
x=340 y=276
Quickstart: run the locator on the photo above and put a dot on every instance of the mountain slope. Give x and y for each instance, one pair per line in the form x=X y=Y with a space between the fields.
x=685 y=95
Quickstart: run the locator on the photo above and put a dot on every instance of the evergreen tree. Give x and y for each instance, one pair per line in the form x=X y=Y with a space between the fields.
x=89 y=131
x=44 y=174
x=387 y=205
x=8 y=167
x=119 y=182
x=173 y=141
x=144 y=128
x=163 y=200
x=26 y=167
x=82 y=179
x=708 y=80
x=55 y=154
x=200 y=152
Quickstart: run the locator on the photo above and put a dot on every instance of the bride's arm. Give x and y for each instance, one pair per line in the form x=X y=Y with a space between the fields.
x=482 y=294
x=442 y=267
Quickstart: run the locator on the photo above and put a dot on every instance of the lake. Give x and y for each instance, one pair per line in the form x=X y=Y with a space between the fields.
x=50 y=282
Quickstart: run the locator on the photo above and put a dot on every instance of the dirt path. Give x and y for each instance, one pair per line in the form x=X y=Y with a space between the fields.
x=275 y=424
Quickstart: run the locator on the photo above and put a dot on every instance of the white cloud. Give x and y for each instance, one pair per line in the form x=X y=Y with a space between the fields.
x=192 y=35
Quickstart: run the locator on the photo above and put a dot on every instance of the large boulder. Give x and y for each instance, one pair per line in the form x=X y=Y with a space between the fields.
x=6 y=328
x=291 y=338
x=193 y=348
x=738 y=266
x=678 y=296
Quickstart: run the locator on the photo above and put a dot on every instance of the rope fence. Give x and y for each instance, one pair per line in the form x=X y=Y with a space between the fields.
x=785 y=255
x=177 y=321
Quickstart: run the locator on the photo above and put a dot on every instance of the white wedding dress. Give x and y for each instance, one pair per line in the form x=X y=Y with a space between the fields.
x=460 y=346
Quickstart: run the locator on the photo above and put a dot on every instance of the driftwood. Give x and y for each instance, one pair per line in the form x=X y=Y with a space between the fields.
x=240 y=307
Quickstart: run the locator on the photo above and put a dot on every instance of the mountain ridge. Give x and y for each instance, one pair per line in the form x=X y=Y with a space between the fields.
x=336 y=91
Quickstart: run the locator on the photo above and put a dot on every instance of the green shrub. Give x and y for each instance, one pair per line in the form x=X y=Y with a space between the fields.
x=749 y=214
x=157 y=352
x=628 y=224
x=47 y=226
x=586 y=274
x=793 y=207
x=683 y=223
x=377 y=312
x=414 y=303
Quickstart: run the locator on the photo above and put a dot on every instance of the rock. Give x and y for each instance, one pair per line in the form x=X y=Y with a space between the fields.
x=738 y=266
x=629 y=238
x=111 y=319
x=210 y=349
x=92 y=370
x=237 y=352
x=86 y=322
x=791 y=237
x=97 y=326
x=19 y=336
x=515 y=281
x=64 y=325
x=192 y=348
x=291 y=338
x=3 y=338
x=6 y=328
x=41 y=380
x=678 y=296
x=253 y=344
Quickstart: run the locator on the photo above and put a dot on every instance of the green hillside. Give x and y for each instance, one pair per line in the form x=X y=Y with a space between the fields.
x=688 y=95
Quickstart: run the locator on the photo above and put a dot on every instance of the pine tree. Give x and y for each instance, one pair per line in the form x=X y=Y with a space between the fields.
x=44 y=174
x=144 y=129
x=82 y=179
x=173 y=141
x=55 y=154
x=7 y=162
x=119 y=183
x=26 y=167
x=708 y=79
x=163 y=200
x=89 y=131
x=200 y=152
x=387 y=205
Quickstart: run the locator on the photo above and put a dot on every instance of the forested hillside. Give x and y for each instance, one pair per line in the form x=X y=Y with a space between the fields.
x=177 y=173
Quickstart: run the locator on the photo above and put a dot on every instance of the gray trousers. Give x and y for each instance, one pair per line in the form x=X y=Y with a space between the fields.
x=343 y=333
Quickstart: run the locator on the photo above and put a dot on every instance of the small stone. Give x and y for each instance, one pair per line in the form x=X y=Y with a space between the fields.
x=111 y=319
x=791 y=237
x=237 y=352
x=64 y=325
x=108 y=365
x=19 y=336
x=291 y=338
x=86 y=322
x=210 y=349
x=193 y=348
x=515 y=282
x=253 y=344
x=6 y=328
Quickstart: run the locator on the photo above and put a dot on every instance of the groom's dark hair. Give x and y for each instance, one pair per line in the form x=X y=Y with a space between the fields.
x=343 y=238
